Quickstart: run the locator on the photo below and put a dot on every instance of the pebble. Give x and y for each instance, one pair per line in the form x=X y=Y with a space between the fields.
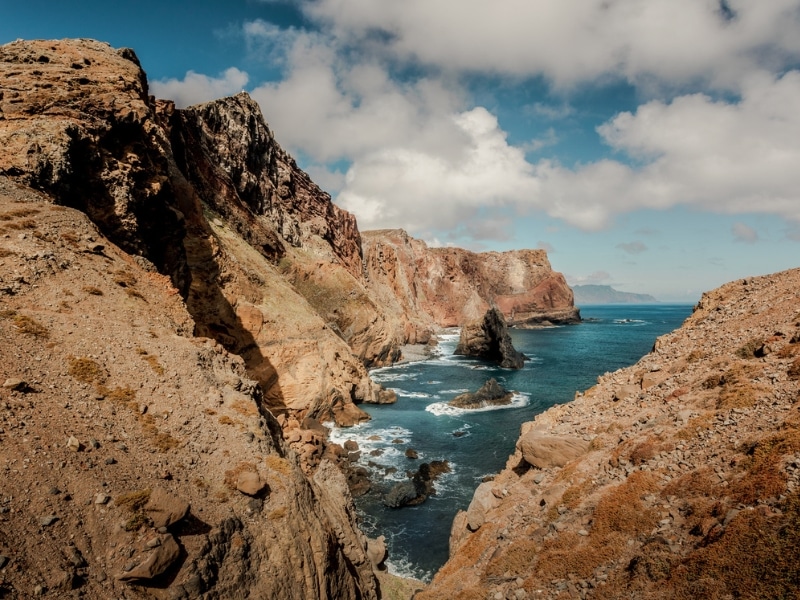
x=48 y=520
x=102 y=498
x=111 y=460
x=153 y=543
x=3 y=561
x=73 y=444
x=12 y=383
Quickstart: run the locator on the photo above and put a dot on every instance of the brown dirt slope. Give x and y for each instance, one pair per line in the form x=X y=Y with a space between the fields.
x=108 y=401
x=687 y=478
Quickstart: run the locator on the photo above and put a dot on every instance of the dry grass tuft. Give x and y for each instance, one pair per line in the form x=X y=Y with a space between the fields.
x=4 y=252
x=621 y=509
x=125 y=279
x=750 y=349
x=757 y=556
x=133 y=501
x=226 y=420
x=151 y=360
x=763 y=477
x=277 y=513
x=248 y=409
x=92 y=291
x=26 y=324
x=86 y=370
x=737 y=389
x=278 y=464
x=517 y=559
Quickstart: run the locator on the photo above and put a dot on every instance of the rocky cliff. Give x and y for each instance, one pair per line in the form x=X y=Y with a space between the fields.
x=123 y=384
x=678 y=477
x=446 y=287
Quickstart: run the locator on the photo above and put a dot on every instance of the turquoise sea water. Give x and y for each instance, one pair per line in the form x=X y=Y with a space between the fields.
x=563 y=360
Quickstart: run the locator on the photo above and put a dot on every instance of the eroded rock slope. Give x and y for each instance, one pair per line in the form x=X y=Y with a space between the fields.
x=678 y=477
x=114 y=419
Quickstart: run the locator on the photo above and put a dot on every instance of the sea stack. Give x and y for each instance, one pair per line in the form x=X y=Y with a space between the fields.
x=488 y=339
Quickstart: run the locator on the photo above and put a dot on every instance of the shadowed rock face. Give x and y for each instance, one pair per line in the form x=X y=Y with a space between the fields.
x=488 y=339
x=267 y=519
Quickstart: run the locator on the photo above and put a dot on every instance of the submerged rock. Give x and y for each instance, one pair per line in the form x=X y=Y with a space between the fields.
x=416 y=490
x=488 y=339
x=490 y=394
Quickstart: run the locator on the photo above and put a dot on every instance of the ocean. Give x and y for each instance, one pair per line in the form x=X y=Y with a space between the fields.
x=477 y=443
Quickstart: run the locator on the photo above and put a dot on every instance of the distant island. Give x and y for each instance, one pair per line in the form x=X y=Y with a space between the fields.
x=605 y=294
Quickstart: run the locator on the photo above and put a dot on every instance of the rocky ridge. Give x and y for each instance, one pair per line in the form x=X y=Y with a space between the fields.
x=138 y=459
x=678 y=477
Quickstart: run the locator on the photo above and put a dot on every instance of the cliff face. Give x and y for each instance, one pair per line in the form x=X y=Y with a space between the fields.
x=446 y=287
x=678 y=477
x=109 y=405
x=163 y=382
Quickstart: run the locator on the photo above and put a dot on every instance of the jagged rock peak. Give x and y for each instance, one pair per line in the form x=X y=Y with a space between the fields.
x=263 y=178
x=488 y=338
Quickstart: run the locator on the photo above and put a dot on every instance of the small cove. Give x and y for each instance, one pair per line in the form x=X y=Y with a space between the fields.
x=563 y=360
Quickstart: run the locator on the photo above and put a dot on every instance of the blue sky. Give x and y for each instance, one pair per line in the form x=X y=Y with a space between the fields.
x=652 y=145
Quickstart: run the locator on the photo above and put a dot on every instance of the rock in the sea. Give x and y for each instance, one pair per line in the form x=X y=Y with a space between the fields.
x=545 y=451
x=488 y=339
x=490 y=394
x=417 y=489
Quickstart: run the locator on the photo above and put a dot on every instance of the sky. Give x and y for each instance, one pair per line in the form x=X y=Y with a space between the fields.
x=651 y=145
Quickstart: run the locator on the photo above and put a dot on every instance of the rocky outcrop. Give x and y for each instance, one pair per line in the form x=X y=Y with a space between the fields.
x=488 y=339
x=491 y=393
x=427 y=288
x=150 y=336
x=83 y=130
x=678 y=477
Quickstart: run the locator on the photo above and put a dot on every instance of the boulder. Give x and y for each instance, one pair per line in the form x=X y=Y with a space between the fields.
x=158 y=560
x=483 y=500
x=490 y=394
x=488 y=339
x=164 y=509
x=376 y=551
x=545 y=451
x=249 y=483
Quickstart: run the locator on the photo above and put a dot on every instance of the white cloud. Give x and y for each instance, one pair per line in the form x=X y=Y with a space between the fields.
x=195 y=88
x=673 y=40
x=725 y=157
x=634 y=248
x=744 y=233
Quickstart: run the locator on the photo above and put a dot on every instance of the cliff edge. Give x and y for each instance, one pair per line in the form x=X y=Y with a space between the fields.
x=678 y=477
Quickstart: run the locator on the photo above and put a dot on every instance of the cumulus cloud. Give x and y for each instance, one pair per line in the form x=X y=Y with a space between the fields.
x=195 y=87
x=673 y=40
x=415 y=153
x=634 y=248
x=744 y=233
